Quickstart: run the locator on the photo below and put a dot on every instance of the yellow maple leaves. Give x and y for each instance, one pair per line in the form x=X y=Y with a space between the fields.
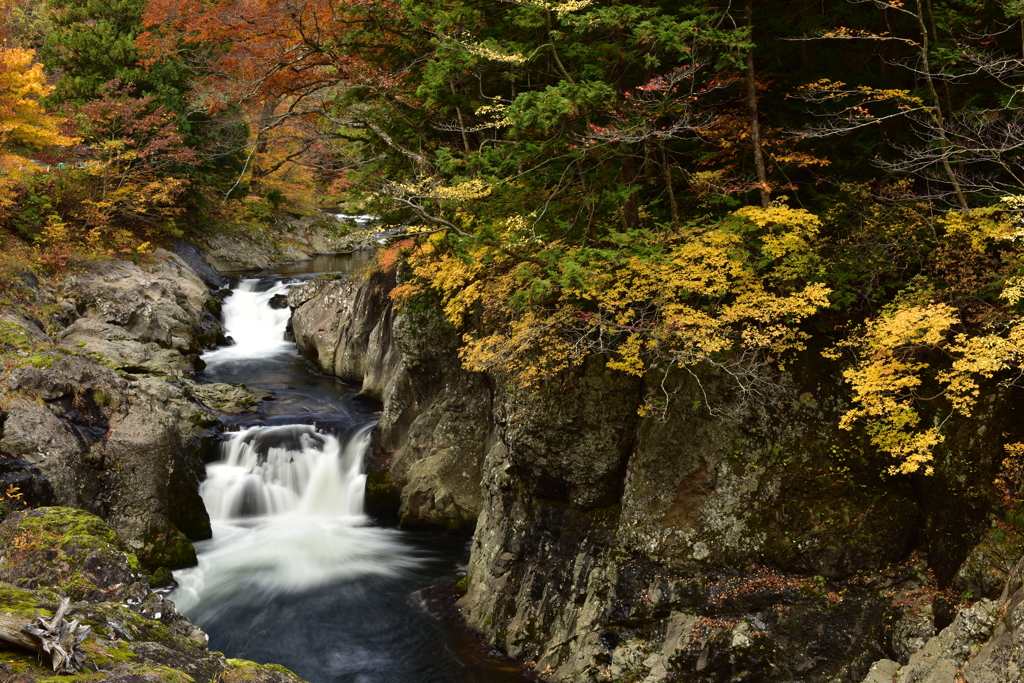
x=902 y=351
x=24 y=125
x=675 y=298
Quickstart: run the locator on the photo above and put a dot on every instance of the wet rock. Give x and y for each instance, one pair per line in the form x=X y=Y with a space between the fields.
x=569 y=440
x=435 y=428
x=196 y=261
x=278 y=301
x=17 y=475
x=736 y=540
x=229 y=399
x=156 y=449
x=300 y=294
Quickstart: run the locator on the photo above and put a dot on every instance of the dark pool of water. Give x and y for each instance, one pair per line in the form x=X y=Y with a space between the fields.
x=371 y=629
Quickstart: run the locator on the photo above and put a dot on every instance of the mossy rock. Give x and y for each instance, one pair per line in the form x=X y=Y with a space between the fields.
x=172 y=550
x=161 y=577
x=67 y=550
x=122 y=645
x=242 y=670
x=25 y=603
x=125 y=645
x=14 y=336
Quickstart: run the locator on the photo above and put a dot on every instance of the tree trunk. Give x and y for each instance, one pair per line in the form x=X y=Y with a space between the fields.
x=755 y=126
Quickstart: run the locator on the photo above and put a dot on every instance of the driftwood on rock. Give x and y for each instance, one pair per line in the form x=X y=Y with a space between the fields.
x=58 y=638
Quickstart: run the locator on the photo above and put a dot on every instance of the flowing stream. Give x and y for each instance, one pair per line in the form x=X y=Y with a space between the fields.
x=295 y=573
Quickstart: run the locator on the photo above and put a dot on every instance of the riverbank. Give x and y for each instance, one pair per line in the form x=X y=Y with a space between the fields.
x=100 y=414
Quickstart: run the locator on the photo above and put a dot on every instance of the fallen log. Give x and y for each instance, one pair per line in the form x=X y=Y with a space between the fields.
x=58 y=638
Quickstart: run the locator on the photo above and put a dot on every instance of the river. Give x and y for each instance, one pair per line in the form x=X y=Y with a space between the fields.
x=296 y=573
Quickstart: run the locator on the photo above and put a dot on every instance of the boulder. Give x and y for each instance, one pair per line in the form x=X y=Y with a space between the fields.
x=118 y=348
x=163 y=303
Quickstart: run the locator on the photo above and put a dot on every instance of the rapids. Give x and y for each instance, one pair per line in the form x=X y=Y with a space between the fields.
x=296 y=573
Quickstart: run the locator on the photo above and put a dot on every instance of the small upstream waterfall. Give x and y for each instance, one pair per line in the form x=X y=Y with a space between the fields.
x=258 y=329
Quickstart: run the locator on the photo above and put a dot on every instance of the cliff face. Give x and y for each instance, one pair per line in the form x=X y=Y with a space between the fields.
x=730 y=540
x=430 y=442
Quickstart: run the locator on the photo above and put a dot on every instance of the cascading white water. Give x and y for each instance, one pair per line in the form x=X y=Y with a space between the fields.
x=257 y=329
x=293 y=468
x=285 y=501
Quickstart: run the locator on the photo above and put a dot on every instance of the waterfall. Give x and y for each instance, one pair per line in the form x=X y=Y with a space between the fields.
x=285 y=501
x=257 y=328
x=292 y=468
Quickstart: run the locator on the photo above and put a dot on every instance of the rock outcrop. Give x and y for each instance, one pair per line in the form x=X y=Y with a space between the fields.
x=430 y=441
x=99 y=413
x=291 y=239
x=136 y=635
x=729 y=540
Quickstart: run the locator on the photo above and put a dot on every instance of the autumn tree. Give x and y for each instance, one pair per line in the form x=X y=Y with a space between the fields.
x=955 y=119
x=24 y=124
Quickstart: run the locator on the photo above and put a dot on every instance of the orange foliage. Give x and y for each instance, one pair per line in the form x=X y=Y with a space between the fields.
x=24 y=125
x=267 y=50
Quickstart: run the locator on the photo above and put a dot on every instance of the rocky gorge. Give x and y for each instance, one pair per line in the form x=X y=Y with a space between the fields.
x=730 y=540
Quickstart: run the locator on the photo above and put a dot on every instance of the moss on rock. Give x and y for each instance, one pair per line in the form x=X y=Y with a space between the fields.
x=242 y=670
x=172 y=550
x=383 y=495
x=65 y=549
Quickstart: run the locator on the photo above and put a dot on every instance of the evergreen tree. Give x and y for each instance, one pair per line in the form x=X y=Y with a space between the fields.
x=92 y=42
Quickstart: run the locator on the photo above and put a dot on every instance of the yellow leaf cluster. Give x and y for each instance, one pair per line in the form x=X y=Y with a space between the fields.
x=493 y=54
x=433 y=188
x=897 y=352
x=560 y=7
x=24 y=125
x=983 y=226
x=701 y=295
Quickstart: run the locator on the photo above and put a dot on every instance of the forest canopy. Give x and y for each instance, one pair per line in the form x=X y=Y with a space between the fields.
x=665 y=184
